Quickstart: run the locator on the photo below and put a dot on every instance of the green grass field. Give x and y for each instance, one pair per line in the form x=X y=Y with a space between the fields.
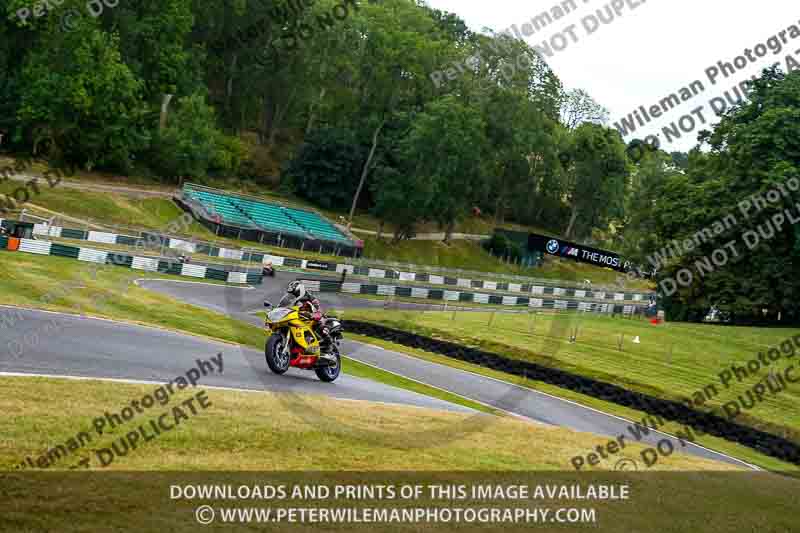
x=715 y=443
x=235 y=434
x=672 y=361
x=260 y=439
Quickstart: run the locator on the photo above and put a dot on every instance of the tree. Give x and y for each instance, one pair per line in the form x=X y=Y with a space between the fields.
x=191 y=143
x=754 y=149
x=639 y=233
x=403 y=199
x=578 y=107
x=393 y=62
x=597 y=169
x=448 y=143
x=680 y=160
x=82 y=100
x=516 y=155
x=326 y=168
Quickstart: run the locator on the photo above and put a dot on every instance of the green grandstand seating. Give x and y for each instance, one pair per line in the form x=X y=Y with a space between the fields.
x=316 y=225
x=221 y=206
x=244 y=211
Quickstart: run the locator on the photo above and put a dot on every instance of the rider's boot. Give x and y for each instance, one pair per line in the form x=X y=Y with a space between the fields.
x=326 y=342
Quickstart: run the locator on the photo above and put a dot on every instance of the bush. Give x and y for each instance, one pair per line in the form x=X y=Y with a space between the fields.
x=327 y=168
x=501 y=246
x=259 y=166
x=229 y=155
x=191 y=143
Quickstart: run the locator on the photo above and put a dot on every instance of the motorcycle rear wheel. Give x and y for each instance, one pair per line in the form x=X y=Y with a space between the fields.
x=330 y=373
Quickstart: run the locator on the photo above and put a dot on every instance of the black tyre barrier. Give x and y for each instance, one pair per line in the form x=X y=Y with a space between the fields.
x=704 y=423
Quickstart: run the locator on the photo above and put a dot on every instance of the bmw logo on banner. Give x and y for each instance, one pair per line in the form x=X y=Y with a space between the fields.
x=552 y=246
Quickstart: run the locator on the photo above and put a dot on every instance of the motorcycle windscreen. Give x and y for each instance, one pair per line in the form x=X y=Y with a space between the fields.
x=286 y=301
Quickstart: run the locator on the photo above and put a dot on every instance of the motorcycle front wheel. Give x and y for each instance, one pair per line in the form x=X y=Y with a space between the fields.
x=277 y=361
x=330 y=373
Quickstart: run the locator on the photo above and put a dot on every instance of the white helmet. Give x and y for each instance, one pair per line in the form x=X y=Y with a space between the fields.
x=296 y=289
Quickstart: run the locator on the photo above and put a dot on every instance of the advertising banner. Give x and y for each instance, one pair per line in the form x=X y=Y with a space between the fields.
x=578 y=252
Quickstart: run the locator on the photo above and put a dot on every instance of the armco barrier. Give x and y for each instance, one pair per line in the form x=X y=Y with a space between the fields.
x=704 y=423
x=440 y=295
x=90 y=255
x=530 y=287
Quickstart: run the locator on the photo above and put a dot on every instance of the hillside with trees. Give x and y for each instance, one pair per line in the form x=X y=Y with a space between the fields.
x=336 y=103
x=391 y=108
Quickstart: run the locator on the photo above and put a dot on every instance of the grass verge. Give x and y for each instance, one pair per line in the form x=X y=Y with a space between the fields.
x=673 y=361
x=715 y=443
x=234 y=434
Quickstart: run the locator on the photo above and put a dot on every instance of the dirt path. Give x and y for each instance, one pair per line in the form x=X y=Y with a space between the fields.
x=430 y=236
x=100 y=187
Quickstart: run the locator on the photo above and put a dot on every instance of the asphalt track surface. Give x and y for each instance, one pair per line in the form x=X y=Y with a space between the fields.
x=97 y=348
x=89 y=347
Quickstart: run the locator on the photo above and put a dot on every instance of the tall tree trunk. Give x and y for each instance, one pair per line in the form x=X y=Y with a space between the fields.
x=448 y=232
x=229 y=87
x=162 y=121
x=500 y=201
x=365 y=171
x=266 y=121
x=380 y=230
x=573 y=217
x=312 y=112
x=279 y=114
x=274 y=114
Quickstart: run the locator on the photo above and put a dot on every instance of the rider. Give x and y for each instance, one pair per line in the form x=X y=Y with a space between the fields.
x=309 y=304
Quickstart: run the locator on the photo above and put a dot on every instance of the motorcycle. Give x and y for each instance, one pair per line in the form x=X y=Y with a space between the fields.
x=268 y=270
x=294 y=343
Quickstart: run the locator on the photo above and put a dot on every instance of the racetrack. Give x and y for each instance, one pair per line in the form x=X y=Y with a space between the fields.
x=241 y=303
x=99 y=348
x=89 y=347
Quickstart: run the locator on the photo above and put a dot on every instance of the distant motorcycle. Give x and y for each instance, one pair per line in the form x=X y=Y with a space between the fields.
x=268 y=270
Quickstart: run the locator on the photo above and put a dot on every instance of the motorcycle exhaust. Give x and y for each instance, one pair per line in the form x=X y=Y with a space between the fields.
x=324 y=363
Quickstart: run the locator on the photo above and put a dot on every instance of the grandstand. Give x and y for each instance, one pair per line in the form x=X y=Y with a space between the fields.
x=272 y=223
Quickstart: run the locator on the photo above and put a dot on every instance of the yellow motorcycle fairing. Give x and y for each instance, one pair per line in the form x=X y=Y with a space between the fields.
x=301 y=329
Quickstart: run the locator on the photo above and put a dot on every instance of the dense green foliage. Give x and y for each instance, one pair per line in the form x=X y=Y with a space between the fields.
x=368 y=104
x=747 y=262
x=326 y=168
x=502 y=246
